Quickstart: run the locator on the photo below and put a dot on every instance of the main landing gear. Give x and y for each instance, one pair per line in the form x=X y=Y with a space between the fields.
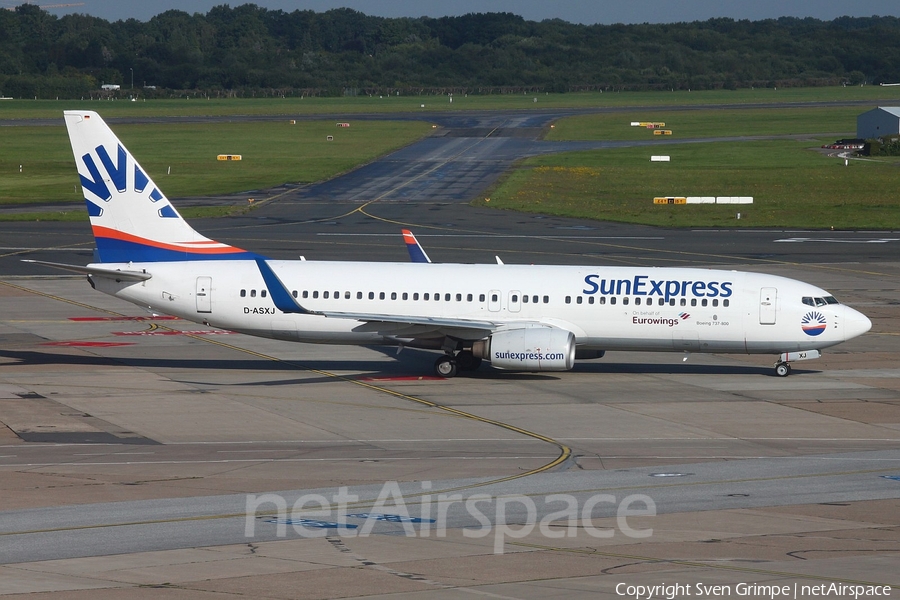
x=448 y=365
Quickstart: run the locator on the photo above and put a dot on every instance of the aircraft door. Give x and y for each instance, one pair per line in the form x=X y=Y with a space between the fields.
x=204 y=294
x=494 y=300
x=515 y=301
x=768 y=298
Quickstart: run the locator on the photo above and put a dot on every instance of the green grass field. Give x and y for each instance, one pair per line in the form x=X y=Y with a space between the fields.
x=793 y=185
x=51 y=109
x=272 y=154
x=686 y=124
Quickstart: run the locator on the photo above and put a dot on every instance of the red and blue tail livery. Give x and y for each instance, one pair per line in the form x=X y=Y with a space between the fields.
x=131 y=218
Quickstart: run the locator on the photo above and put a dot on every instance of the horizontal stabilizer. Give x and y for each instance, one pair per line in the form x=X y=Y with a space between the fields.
x=116 y=274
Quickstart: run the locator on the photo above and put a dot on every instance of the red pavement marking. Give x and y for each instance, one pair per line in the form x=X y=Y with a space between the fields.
x=404 y=378
x=167 y=332
x=89 y=344
x=160 y=318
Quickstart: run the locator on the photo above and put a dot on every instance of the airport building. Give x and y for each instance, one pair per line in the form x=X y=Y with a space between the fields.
x=878 y=122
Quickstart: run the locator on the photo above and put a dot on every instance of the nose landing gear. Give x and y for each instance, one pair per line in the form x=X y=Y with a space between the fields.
x=782 y=369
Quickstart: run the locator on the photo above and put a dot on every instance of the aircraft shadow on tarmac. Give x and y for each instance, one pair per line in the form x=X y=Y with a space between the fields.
x=413 y=363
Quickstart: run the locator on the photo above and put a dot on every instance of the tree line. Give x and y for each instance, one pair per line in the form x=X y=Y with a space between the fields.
x=251 y=49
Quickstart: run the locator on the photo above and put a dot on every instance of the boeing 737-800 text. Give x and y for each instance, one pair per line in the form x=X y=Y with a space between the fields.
x=522 y=317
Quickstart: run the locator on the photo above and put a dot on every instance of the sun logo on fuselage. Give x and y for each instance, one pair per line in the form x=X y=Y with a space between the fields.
x=813 y=323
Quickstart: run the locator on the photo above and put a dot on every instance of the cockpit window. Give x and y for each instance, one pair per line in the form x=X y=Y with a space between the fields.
x=810 y=301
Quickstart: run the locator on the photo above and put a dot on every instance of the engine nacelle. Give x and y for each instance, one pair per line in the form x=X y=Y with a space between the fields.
x=529 y=349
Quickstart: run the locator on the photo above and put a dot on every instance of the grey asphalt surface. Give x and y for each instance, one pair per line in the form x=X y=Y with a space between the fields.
x=152 y=525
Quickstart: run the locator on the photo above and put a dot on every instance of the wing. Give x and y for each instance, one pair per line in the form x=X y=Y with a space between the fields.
x=392 y=325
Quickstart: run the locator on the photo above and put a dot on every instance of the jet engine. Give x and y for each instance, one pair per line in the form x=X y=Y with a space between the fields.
x=529 y=349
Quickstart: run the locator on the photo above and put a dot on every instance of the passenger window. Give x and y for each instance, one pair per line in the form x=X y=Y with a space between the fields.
x=625 y=300
x=316 y=294
x=715 y=302
x=672 y=302
x=253 y=293
x=469 y=298
x=612 y=300
x=568 y=299
x=525 y=299
x=415 y=295
x=637 y=301
x=294 y=293
x=371 y=295
x=437 y=297
x=405 y=296
x=661 y=301
x=243 y=293
x=346 y=295
x=546 y=300
x=381 y=295
x=684 y=302
x=263 y=293
x=703 y=302
x=534 y=299
x=459 y=297
x=481 y=297
x=393 y=295
x=325 y=295
x=359 y=295
x=447 y=297
x=590 y=299
x=495 y=298
x=306 y=293
x=578 y=299
x=693 y=302
x=602 y=299
x=515 y=298
x=426 y=296
x=725 y=303
x=337 y=295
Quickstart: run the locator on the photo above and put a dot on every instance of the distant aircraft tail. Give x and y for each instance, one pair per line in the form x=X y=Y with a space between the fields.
x=416 y=252
x=131 y=219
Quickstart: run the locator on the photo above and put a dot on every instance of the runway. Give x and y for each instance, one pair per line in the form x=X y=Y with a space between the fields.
x=148 y=457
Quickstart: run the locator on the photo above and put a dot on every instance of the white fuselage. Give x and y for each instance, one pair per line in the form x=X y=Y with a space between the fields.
x=606 y=308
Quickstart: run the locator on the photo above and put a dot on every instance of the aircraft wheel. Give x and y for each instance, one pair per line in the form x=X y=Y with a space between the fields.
x=466 y=361
x=782 y=369
x=445 y=367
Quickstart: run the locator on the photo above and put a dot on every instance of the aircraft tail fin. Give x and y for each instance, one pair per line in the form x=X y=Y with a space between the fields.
x=131 y=219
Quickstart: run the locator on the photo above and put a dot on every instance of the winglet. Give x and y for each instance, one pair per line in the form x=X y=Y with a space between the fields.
x=283 y=299
x=416 y=252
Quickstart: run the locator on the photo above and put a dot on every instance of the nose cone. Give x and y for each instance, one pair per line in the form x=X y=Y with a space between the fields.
x=855 y=323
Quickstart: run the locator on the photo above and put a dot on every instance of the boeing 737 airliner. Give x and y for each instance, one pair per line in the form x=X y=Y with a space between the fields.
x=522 y=317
